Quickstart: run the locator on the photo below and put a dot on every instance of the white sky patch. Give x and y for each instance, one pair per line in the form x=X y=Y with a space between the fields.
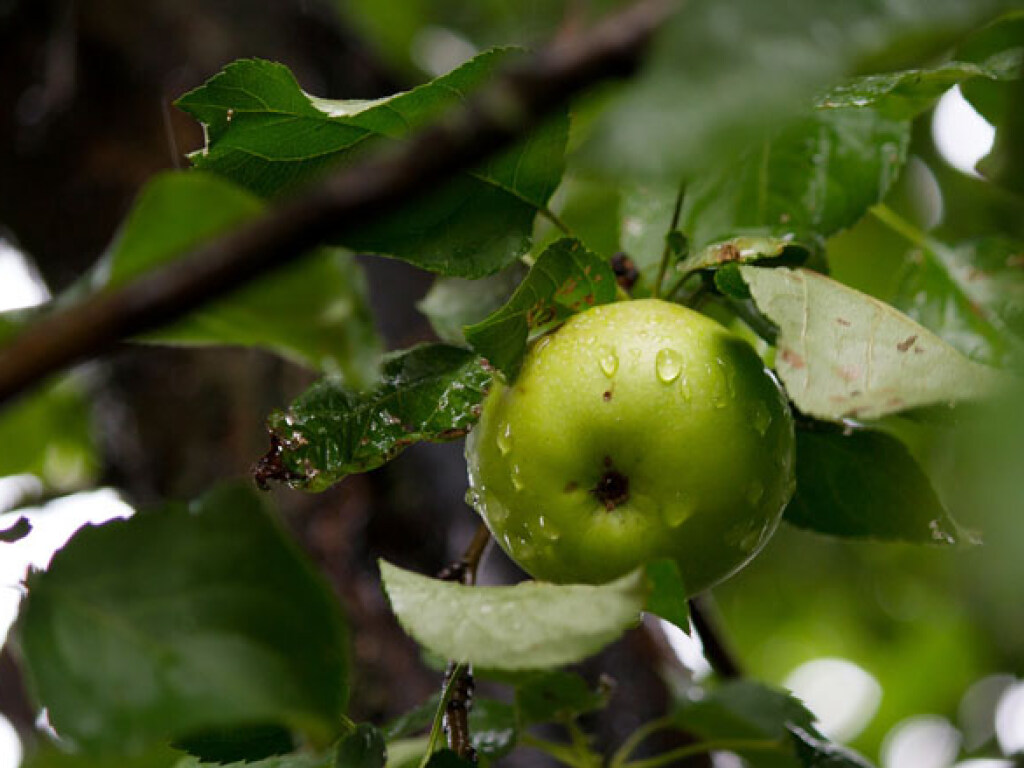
x=20 y=283
x=1010 y=720
x=961 y=135
x=925 y=741
x=10 y=745
x=688 y=649
x=843 y=696
x=52 y=526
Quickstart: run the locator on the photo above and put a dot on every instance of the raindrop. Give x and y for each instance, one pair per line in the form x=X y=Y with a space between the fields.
x=668 y=365
x=504 y=439
x=760 y=418
x=608 y=361
x=517 y=481
x=675 y=514
x=547 y=529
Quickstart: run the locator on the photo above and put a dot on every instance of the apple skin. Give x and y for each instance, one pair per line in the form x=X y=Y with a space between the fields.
x=638 y=430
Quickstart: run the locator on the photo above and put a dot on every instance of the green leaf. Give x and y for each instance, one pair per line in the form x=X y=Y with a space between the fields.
x=181 y=620
x=842 y=354
x=815 y=752
x=529 y=626
x=747 y=711
x=667 y=597
x=445 y=758
x=412 y=722
x=313 y=312
x=454 y=302
x=556 y=696
x=48 y=433
x=280 y=761
x=428 y=393
x=566 y=279
x=230 y=745
x=999 y=45
x=818 y=176
x=720 y=75
x=492 y=728
x=363 y=748
x=908 y=93
x=865 y=484
x=646 y=211
x=972 y=295
x=266 y=134
x=51 y=756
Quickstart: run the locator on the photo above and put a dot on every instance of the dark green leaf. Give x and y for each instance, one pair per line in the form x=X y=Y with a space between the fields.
x=48 y=433
x=454 y=302
x=21 y=528
x=181 y=620
x=529 y=626
x=303 y=760
x=999 y=45
x=842 y=354
x=815 y=752
x=50 y=756
x=445 y=758
x=557 y=695
x=813 y=179
x=566 y=279
x=235 y=745
x=492 y=728
x=412 y=722
x=646 y=213
x=971 y=295
x=313 y=312
x=742 y=710
x=865 y=484
x=428 y=393
x=730 y=282
x=721 y=74
x=667 y=596
x=266 y=134
x=908 y=93
x=363 y=748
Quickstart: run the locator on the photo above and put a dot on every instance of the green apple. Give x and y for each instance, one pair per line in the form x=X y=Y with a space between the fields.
x=638 y=430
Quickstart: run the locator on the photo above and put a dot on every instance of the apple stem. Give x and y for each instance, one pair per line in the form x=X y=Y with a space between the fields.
x=717 y=648
x=667 y=251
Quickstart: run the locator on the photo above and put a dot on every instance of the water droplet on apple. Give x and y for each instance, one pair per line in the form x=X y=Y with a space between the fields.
x=517 y=480
x=684 y=388
x=668 y=365
x=755 y=493
x=547 y=529
x=675 y=514
x=608 y=361
x=504 y=439
x=760 y=418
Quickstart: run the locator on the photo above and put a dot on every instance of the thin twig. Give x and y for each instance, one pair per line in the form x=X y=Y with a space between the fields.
x=716 y=649
x=457 y=686
x=500 y=114
x=667 y=252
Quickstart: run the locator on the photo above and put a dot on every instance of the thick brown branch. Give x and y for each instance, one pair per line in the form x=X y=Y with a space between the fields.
x=501 y=113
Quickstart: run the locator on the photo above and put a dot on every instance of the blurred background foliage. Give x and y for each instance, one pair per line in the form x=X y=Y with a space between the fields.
x=912 y=638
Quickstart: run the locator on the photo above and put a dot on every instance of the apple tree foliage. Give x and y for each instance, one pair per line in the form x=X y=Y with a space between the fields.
x=759 y=167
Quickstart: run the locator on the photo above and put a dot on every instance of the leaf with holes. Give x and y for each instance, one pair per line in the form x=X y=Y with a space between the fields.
x=428 y=393
x=266 y=134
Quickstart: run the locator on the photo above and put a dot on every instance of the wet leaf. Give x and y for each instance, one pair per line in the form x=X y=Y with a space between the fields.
x=532 y=625
x=842 y=354
x=972 y=295
x=908 y=93
x=815 y=752
x=427 y=393
x=266 y=134
x=646 y=211
x=865 y=484
x=566 y=279
x=363 y=748
x=557 y=695
x=813 y=179
x=181 y=620
x=492 y=727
